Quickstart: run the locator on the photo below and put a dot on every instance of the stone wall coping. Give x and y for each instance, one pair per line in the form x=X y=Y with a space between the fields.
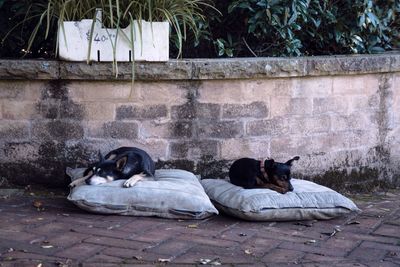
x=202 y=69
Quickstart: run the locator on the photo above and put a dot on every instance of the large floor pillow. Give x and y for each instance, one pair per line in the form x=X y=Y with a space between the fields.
x=308 y=201
x=173 y=194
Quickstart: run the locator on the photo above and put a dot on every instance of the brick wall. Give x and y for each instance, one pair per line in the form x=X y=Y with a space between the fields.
x=342 y=122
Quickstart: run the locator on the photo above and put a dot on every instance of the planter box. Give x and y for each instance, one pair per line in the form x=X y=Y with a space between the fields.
x=150 y=44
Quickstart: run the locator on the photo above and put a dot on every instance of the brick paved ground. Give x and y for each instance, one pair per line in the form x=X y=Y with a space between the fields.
x=63 y=235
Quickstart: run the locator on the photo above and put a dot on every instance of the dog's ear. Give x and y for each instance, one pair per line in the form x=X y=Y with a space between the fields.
x=101 y=158
x=269 y=163
x=121 y=163
x=289 y=162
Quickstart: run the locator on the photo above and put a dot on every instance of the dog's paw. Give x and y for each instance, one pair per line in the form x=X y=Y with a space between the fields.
x=134 y=179
x=130 y=182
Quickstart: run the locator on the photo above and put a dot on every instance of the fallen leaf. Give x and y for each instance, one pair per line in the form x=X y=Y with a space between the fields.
x=164 y=260
x=335 y=231
x=248 y=251
x=353 y=222
x=136 y=258
x=38 y=204
x=311 y=241
x=192 y=226
x=67 y=263
x=37 y=240
x=215 y=261
x=306 y=224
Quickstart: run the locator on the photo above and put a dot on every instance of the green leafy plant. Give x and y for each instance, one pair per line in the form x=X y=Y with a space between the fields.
x=303 y=27
x=47 y=15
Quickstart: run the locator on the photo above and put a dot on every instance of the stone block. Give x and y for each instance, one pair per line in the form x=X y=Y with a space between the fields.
x=157 y=149
x=191 y=111
x=11 y=130
x=354 y=121
x=146 y=112
x=239 y=148
x=20 y=151
x=47 y=109
x=222 y=91
x=102 y=91
x=162 y=92
x=252 y=110
x=222 y=129
x=324 y=105
x=310 y=125
x=272 y=127
x=180 y=129
x=283 y=106
x=113 y=129
x=17 y=110
x=21 y=90
x=103 y=111
x=289 y=146
x=262 y=89
x=355 y=85
x=71 y=110
x=194 y=149
x=320 y=86
x=57 y=130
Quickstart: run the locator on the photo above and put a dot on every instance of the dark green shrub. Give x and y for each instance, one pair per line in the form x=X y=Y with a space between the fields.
x=314 y=27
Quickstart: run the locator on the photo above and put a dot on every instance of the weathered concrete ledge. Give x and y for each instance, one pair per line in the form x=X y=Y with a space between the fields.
x=203 y=69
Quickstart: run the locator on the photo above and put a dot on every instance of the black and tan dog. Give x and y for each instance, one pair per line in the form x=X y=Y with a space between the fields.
x=130 y=163
x=251 y=173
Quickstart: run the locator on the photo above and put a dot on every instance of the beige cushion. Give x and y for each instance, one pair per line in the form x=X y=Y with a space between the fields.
x=308 y=201
x=173 y=194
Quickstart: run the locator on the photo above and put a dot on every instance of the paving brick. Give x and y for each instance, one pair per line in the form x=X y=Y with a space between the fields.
x=171 y=248
x=238 y=234
x=207 y=241
x=367 y=254
x=259 y=246
x=66 y=239
x=98 y=240
x=100 y=232
x=222 y=255
x=313 y=248
x=282 y=255
x=80 y=251
x=380 y=246
x=101 y=259
x=18 y=236
x=154 y=236
x=388 y=230
x=116 y=242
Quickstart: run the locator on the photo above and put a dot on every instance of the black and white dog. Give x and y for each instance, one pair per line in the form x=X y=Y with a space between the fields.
x=130 y=163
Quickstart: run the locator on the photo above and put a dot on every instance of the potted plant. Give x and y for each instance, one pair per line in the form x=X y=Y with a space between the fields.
x=121 y=26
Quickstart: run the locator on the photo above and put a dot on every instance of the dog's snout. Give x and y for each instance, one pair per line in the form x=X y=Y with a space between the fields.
x=291 y=187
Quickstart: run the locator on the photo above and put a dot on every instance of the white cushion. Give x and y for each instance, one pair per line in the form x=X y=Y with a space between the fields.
x=173 y=194
x=308 y=201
